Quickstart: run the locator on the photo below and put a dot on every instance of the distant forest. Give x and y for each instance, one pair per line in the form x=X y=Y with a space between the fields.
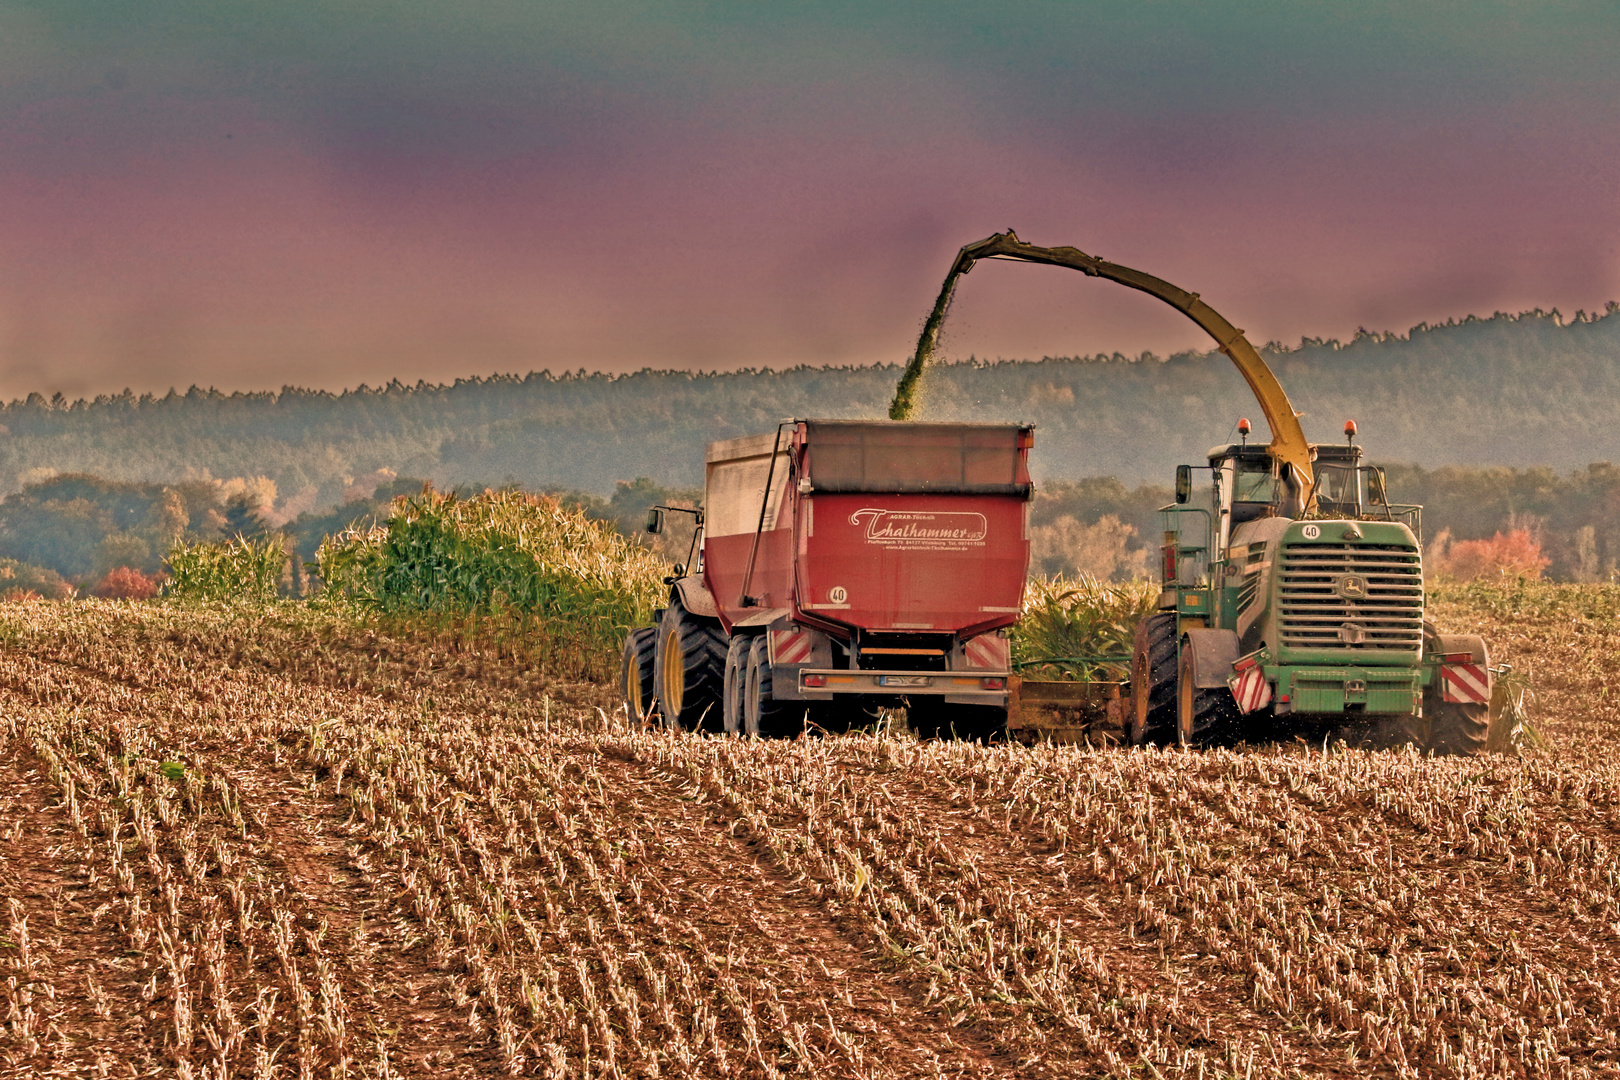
x=1494 y=423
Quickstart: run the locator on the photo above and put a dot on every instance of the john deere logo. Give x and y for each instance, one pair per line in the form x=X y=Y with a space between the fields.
x=1351 y=587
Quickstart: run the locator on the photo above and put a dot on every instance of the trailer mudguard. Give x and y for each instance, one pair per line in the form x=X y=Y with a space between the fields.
x=1213 y=654
x=696 y=598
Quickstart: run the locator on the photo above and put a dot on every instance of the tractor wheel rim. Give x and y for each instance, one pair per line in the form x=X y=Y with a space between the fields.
x=1184 y=708
x=674 y=677
x=1139 y=695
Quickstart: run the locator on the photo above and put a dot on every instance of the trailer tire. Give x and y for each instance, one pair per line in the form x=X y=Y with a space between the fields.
x=1152 y=718
x=1205 y=715
x=763 y=716
x=690 y=670
x=735 y=684
x=636 y=674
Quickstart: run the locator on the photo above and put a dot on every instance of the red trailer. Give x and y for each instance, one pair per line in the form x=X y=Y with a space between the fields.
x=845 y=566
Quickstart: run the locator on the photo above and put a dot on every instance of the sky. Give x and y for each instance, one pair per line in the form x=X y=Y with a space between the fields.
x=251 y=195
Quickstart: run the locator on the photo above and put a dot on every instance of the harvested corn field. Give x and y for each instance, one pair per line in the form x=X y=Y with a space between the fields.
x=264 y=842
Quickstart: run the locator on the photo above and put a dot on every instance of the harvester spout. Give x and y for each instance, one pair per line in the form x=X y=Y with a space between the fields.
x=1288 y=446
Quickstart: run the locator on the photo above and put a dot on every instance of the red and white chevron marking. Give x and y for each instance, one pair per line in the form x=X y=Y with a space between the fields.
x=790 y=647
x=989 y=652
x=1251 y=688
x=1468 y=684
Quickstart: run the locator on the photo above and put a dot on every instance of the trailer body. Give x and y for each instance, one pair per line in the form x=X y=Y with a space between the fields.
x=878 y=558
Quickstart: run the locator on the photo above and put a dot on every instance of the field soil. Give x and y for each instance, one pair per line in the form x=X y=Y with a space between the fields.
x=265 y=842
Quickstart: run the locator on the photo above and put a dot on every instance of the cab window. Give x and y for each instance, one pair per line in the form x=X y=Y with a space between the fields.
x=1260 y=487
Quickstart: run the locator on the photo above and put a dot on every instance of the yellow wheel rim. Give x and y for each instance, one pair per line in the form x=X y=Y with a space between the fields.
x=674 y=677
x=632 y=691
x=1184 y=705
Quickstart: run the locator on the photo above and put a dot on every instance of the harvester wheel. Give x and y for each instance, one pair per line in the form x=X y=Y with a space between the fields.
x=1152 y=717
x=1205 y=715
x=942 y=720
x=1451 y=728
x=1455 y=728
x=690 y=663
x=735 y=684
x=636 y=673
x=763 y=716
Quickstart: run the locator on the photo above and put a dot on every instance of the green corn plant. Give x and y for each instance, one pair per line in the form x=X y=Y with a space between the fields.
x=1068 y=621
x=241 y=568
x=500 y=554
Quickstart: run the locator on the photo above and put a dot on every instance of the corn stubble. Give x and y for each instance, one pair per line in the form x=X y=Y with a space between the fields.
x=282 y=851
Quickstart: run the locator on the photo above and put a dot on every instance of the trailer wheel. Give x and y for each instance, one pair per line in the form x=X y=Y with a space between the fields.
x=690 y=670
x=735 y=684
x=1204 y=715
x=763 y=716
x=636 y=674
x=1152 y=718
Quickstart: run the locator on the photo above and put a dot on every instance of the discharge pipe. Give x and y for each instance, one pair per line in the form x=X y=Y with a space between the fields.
x=1288 y=446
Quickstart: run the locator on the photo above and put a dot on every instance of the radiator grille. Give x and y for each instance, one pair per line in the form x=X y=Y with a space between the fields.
x=1351 y=596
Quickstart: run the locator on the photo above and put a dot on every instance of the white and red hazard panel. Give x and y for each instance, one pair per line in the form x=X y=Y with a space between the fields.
x=791 y=646
x=987 y=652
x=1464 y=681
x=1250 y=687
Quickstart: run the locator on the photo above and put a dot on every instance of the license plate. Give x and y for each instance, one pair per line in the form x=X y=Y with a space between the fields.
x=904 y=680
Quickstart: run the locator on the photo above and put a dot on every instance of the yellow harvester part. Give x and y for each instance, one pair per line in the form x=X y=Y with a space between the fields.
x=1288 y=446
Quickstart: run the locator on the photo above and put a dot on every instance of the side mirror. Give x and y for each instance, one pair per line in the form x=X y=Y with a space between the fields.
x=1183 y=483
x=1375 y=487
x=655 y=521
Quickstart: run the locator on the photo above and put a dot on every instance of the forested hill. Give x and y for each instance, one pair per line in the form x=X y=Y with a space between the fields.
x=1528 y=389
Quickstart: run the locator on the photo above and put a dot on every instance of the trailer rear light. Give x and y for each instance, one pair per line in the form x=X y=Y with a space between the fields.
x=993 y=684
x=1458 y=658
x=1283 y=698
x=813 y=680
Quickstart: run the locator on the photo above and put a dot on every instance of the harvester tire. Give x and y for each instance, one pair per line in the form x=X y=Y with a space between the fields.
x=636 y=674
x=1152 y=717
x=1447 y=728
x=942 y=720
x=735 y=684
x=763 y=716
x=690 y=670
x=1205 y=715
x=1456 y=729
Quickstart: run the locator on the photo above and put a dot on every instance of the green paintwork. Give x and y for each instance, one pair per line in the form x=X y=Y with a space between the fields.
x=1315 y=680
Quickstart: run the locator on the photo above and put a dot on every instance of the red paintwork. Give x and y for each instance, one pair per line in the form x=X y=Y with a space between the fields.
x=895 y=575
x=923 y=563
x=726 y=557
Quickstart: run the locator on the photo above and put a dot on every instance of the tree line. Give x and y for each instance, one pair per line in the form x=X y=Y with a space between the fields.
x=73 y=531
x=1525 y=390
